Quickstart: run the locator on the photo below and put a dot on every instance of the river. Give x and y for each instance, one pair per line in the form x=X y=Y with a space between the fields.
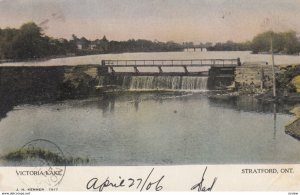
x=245 y=56
x=157 y=128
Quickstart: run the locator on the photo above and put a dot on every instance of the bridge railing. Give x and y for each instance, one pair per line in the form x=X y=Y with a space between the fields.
x=165 y=67
x=170 y=63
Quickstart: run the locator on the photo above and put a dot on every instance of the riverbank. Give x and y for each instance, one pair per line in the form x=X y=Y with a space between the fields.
x=293 y=128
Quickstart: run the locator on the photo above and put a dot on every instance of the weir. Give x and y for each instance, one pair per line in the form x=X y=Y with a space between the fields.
x=165 y=83
x=195 y=74
x=34 y=83
x=140 y=83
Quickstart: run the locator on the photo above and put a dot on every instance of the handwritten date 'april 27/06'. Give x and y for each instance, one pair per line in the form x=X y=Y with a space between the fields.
x=140 y=184
x=149 y=183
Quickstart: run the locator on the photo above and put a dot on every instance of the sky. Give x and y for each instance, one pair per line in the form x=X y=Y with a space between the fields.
x=163 y=20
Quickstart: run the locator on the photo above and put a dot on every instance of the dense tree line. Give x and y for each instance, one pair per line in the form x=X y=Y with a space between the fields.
x=28 y=42
x=231 y=46
x=283 y=42
x=132 y=45
x=142 y=46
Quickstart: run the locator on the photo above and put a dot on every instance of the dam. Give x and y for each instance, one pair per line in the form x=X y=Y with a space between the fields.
x=59 y=100
x=64 y=81
x=194 y=74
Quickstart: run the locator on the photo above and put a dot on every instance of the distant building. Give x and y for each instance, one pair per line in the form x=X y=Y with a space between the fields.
x=79 y=46
x=298 y=36
x=87 y=45
x=82 y=43
x=92 y=46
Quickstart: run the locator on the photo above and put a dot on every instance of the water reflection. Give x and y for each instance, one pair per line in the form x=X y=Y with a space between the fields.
x=136 y=102
x=141 y=128
x=107 y=103
x=251 y=104
x=5 y=107
x=275 y=117
x=245 y=103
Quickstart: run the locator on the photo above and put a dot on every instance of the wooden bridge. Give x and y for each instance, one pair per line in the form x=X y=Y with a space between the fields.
x=194 y=67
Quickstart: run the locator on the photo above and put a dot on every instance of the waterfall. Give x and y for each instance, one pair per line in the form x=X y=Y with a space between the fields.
x=184 y=83
x=194 y=83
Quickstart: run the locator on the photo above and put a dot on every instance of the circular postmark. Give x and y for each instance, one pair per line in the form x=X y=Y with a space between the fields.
x=43 y=164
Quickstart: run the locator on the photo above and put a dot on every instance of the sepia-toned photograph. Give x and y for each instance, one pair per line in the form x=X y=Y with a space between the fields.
x=134 y=83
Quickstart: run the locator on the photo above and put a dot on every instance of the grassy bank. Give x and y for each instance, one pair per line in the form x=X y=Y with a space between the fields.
x=296 y=111
x=296 y=83
x=26 y=154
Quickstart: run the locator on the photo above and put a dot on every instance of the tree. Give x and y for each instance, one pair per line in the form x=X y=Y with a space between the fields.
x=261 y=42
x=29 y=42
x=285 y=42
x=291 y=44
x=103 y=44
x=6 y=38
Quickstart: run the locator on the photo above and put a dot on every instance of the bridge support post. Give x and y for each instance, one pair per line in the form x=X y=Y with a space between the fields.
x=102 y=70
x=220 y=77
x=136 y=70
x=112 y=70
x=185 y=70
x=160 y=70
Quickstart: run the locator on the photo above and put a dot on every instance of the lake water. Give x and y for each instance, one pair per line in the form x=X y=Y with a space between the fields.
x=156 y=128
x=245 y=56
x=147 y=129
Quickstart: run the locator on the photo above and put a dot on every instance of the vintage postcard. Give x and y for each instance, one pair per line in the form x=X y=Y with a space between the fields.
x=149 y=95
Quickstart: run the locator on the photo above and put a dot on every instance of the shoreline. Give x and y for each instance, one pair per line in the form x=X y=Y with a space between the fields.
x=293 y=127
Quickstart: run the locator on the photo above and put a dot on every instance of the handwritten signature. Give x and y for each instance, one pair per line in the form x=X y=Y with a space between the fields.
x=141 y=184
x=200 y=187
